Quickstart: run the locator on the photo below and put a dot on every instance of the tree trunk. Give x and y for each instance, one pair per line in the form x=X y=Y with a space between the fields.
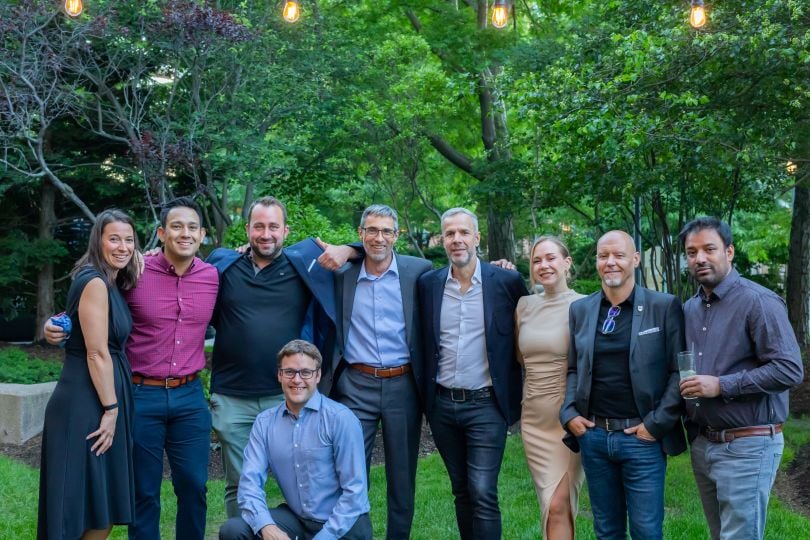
x=798 y=270
x=47 y=222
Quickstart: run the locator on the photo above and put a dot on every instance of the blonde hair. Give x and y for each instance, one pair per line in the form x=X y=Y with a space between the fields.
x=554 y=240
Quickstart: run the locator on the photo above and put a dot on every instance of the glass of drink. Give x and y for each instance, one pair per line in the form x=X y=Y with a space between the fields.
x=686 y=365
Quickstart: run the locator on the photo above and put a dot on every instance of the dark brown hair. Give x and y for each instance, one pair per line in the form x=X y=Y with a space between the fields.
x=127 y=276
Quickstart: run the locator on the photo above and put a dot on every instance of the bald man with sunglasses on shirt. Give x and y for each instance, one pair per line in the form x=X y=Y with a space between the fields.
x=622 y=406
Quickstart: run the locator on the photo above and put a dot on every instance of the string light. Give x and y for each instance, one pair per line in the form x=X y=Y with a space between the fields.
x=500 y=14
x=292 y=11
x=697 y=17
x=74 y=8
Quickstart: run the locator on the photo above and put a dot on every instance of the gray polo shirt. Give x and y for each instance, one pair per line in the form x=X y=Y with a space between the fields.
x=741 y=334
x=463 y=361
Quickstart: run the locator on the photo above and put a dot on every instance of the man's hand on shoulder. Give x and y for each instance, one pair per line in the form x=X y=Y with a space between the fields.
x=578 y=425
x=333 y=257
x=272 y=532
x=503 y=263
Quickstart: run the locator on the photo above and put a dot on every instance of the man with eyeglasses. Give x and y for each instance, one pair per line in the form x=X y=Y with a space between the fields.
x=313 y=446
x=747 y=358
x=622 y=405
x=379 y=361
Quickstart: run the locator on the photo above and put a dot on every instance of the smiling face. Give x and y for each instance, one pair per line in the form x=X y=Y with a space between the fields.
x=616 y=260
x=266 y=232
x=117 y=244
x=460 y=238
x=378 y=247
x=550 y=266
x=708 y=259
x=298 y=391
x=182 y=234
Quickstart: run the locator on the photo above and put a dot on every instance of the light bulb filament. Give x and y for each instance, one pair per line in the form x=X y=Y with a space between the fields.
x=500 y=15
x=73 y=7
x=291 y=11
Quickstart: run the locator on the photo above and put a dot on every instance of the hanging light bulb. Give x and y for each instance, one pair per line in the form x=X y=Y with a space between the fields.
x=500 y=14
x=697 y=17
x=291 y=11
x=73 y=7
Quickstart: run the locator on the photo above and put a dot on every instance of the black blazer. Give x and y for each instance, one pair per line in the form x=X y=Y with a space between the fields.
x=501 y=289
x=656 y=337
x=409 y=268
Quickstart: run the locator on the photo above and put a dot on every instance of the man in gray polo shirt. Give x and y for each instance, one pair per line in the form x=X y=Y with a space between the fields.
x=747 y=358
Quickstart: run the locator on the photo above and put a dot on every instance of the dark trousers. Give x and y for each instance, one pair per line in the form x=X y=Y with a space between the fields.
x=297 y=528
x=625 y=481
x=176 y=420
x=471 y=437
x=395 y=403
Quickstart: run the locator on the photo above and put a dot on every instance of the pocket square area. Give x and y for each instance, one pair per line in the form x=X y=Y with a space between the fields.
x=653 y=330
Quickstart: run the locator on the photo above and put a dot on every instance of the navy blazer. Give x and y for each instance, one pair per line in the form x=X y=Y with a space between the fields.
x=502 y=289
x=409 y=268
x=656 y=337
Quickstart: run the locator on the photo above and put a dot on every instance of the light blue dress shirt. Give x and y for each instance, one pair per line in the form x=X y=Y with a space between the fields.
x=318 y=460
x=377 y=331
x=463 y=359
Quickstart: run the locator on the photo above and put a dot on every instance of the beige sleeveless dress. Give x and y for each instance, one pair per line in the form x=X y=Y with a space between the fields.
x=542 y=325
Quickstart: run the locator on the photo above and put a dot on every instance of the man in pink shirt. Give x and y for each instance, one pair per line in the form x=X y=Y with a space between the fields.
x=171 y=307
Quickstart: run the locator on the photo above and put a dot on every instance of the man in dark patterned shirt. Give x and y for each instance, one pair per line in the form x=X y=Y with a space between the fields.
x=747 y=358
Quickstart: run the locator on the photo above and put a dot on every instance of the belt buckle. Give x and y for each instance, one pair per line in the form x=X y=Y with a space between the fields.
x=166 y=382
x=376 y=372
x=453 y=395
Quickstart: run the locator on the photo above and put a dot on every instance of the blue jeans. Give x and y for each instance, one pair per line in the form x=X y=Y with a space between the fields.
x=176 y=420
x=471 y=437
x=735 y=480
x=625 y=480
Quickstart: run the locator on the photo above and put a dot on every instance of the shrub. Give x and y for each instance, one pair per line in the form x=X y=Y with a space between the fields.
x=19 y=368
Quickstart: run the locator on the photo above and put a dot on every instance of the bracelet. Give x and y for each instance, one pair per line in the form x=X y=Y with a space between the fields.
x=110 y=407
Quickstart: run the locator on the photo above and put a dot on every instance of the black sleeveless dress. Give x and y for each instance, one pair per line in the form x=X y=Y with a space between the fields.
x=77 y=489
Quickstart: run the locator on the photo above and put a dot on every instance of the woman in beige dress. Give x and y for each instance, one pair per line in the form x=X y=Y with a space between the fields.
x=542 y=328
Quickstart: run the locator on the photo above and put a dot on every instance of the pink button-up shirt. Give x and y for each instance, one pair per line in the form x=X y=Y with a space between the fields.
x=169 y=316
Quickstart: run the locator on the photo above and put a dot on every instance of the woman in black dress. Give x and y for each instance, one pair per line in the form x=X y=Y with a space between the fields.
x=86 y=476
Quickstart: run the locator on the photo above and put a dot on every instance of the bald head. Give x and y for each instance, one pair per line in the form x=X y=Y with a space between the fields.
x=616 y=261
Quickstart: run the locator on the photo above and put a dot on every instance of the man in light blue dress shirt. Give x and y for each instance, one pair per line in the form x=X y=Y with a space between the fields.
x=313 y=446
x=378 y=365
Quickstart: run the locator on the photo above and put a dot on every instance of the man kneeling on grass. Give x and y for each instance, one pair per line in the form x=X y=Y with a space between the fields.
x=313 y=446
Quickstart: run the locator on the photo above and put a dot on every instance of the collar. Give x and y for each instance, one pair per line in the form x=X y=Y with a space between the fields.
x=723 y=288
x=627 y=301
x=163 y=263
x=476 y=277
x=314 y=404
x=248 y=254
x=393 y=268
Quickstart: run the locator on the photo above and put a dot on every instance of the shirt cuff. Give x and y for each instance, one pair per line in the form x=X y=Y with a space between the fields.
x=730 y=385
x=262 y=520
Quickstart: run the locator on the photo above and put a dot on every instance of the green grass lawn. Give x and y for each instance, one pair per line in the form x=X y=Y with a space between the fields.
x=435 y=517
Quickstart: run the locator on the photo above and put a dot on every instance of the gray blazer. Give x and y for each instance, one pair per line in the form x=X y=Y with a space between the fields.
x=657 y=336
x=410 y=268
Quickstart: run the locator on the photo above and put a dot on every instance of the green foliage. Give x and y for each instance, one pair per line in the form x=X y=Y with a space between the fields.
x=18 y=368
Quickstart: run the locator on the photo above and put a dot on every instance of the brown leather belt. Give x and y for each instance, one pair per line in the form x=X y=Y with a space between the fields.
x=382 y=373
x=728 y=435
x=168 y=382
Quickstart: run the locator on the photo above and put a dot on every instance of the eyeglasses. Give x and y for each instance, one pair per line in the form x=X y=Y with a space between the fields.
x=610 y=322
x=304 y=373
x=372 y=232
